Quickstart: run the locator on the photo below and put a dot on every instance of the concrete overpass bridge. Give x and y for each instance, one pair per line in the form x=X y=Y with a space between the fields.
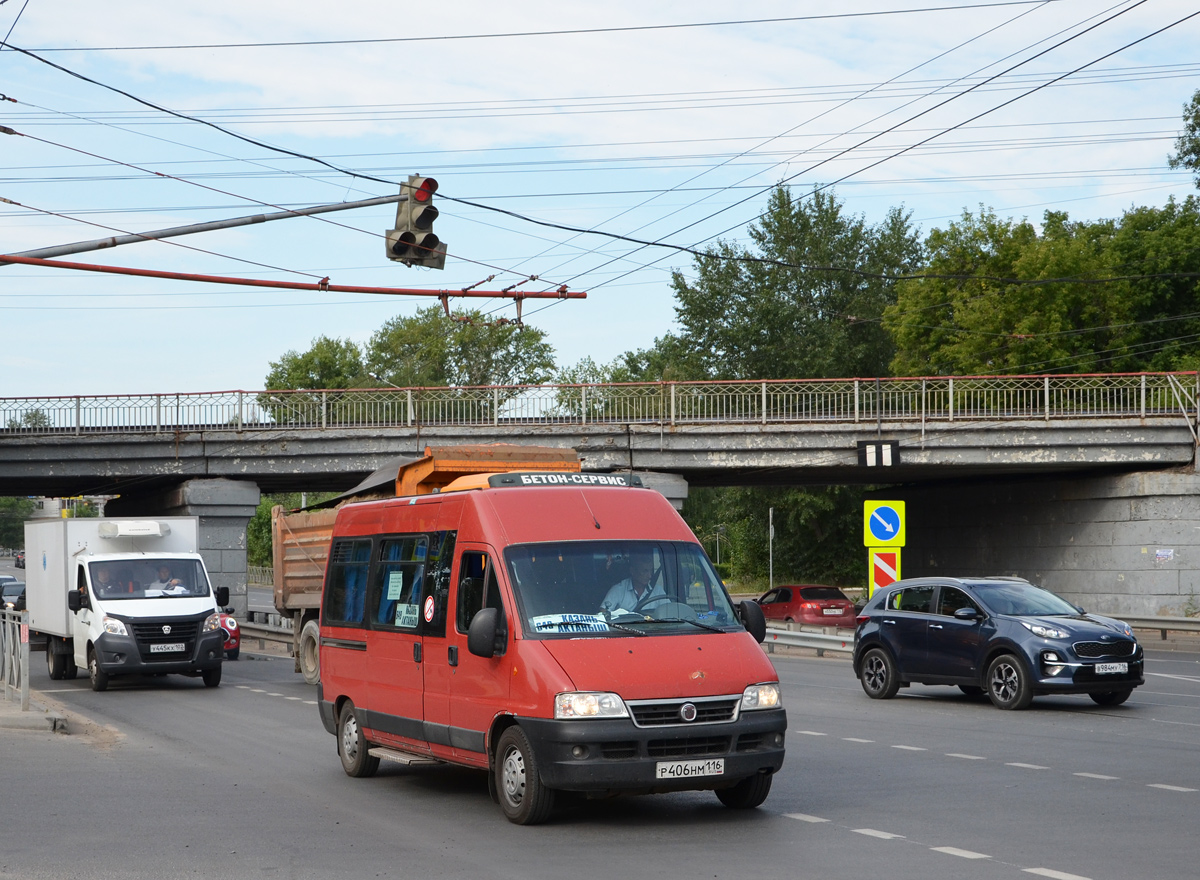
x=210 y=454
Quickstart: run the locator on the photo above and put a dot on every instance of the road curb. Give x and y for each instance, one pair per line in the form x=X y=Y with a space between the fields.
x=37 y=718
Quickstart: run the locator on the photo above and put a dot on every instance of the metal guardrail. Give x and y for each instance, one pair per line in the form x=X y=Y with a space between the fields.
x=1164 y=624
x=929 y=399
x=820 y=642
x=260 y=575
x=14 y=656
x=265 y=633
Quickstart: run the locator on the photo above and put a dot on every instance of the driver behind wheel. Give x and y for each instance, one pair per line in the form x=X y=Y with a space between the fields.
x=636 y=592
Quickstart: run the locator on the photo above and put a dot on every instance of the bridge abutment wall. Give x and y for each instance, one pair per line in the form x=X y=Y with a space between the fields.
x=1115 y=544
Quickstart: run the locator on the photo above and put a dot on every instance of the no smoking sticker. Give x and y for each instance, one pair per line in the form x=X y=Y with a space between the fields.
x=429 y=609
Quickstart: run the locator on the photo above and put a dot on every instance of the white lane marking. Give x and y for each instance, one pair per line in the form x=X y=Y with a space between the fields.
x=274 y=695
x=244 y=687
x=965 y=757
x=257 y=690
x=1190 y=678
x=804 y=817
x=1096 y=776
x=1054 y=875
x=310 y=702
x=293 y=698
x=911 y=748
x=882 y=835
x=811 y=733
x=1168 y=787
x=855 y=739
x=1025 y=766
x=961 y=853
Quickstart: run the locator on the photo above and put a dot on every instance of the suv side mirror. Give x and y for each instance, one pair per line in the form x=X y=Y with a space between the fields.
x=752 y=617
x=222 y=596
x=484 y=636
x=966 y=614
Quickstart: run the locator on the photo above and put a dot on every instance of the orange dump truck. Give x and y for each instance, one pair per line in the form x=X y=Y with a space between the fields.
x=301 y=540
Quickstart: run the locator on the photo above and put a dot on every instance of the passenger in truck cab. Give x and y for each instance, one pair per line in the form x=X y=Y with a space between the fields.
x=636 y=592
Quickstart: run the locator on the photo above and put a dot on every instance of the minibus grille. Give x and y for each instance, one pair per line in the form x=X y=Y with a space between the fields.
x=661 y=714
x=618 y=750
x=750 y=742
x=693 y=747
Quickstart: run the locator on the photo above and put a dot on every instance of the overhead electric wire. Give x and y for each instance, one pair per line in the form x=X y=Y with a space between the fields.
x=555 y=33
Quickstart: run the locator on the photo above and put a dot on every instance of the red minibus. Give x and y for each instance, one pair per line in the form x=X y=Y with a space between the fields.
x=564 y=632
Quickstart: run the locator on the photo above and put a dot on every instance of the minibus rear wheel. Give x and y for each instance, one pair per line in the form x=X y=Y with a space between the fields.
x=523 y=797
x=352 y=745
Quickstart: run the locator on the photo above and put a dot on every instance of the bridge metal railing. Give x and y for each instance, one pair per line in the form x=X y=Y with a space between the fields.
x=928 y=399
x=14 y=656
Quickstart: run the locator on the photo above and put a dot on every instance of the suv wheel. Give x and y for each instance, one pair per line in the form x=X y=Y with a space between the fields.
x=1008 y=684
x=878 y=675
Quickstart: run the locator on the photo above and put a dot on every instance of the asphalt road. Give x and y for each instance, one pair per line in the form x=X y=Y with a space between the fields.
x=175 y=780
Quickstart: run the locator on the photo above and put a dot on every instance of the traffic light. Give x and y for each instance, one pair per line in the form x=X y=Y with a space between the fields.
x=413 y=242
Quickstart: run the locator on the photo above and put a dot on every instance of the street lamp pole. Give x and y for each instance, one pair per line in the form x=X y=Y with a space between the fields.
x=770 y=548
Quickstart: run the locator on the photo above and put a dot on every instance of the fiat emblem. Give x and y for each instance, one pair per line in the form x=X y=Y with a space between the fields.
x=687 y=712
x=166 y=629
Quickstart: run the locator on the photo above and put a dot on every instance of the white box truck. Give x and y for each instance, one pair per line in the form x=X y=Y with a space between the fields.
x=123 y=597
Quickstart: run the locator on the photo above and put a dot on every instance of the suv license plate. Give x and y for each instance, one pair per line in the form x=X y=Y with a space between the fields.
x=688 y=769
x=1110 y=668
x=172 y=648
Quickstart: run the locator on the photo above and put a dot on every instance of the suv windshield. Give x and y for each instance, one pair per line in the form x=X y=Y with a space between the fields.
x=147 y=578
x=617 y=588
x=1023 y=599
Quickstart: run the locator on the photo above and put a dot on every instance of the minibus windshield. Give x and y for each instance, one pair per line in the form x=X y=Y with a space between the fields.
x=147 y=578
x=617 y=588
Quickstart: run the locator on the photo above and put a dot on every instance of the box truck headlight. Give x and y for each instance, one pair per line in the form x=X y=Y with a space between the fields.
x=114 y=626
x=212 y=623
x=761 y=696
x=589 y=706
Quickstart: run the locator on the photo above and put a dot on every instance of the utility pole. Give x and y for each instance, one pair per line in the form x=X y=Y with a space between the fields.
x=770 y=548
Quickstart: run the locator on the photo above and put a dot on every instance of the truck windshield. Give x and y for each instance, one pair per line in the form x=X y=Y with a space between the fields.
x=617 y=588
x=147 y=578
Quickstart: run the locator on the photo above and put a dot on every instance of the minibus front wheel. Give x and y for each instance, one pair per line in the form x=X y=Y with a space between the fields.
x=352 y=745
x=523 y=797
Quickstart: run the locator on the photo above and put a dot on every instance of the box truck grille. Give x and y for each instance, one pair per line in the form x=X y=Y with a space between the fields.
x=165 y=632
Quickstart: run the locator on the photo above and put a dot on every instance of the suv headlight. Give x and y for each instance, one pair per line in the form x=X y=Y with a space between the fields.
x=114 y=626
x=589 y=705
x=212 y=623
x=1046 y=632
x=761 y=696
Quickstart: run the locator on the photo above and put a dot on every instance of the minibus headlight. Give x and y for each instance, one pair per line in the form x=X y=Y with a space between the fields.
x=114 y=626
x=761 y=696
x=212 y=623
x=589 y=705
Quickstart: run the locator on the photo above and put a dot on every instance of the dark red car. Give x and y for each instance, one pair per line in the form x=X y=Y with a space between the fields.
x=810 y=604
x=233 y=635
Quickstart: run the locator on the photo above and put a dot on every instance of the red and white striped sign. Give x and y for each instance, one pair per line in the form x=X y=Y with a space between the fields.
x=885 y=568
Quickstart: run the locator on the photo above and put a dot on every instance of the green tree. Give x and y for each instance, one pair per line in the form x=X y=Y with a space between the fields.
x=259 y=545
x=804 y=319
x=13 y=513
x=1187 y=145
x=328 y=363
x=33 y=418
x=431 y=348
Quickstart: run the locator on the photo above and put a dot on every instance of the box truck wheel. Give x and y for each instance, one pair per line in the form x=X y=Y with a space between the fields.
x=212 y=677
x=56 y=664
x=70 y=670
x=310 y=655
x=523 y=798
x=99 y=676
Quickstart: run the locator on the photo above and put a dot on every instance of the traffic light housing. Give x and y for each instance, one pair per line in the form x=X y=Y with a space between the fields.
x=413 y=241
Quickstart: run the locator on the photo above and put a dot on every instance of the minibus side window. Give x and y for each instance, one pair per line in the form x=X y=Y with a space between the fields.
x=399 y=581
x=477 y=588
x=437 y=583
x=346 y=582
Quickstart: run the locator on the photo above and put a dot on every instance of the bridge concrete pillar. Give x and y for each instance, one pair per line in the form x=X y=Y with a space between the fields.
x=224 y=508
x=672 y=486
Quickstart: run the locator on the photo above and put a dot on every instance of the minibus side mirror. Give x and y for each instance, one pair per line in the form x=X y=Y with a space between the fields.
x=484 y=633
x=74 y=603
x=222 y=596
x=752 y=617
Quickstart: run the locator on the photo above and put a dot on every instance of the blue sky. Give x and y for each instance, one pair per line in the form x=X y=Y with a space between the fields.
x=633 y=124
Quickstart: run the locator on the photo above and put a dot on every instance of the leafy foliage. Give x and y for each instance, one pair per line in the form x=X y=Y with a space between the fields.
x=13 y=513
x=1187 y=145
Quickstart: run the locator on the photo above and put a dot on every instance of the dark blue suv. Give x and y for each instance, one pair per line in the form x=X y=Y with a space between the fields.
x=1002 y=636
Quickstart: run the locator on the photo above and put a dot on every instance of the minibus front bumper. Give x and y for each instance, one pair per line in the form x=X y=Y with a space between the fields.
x=616 y=755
